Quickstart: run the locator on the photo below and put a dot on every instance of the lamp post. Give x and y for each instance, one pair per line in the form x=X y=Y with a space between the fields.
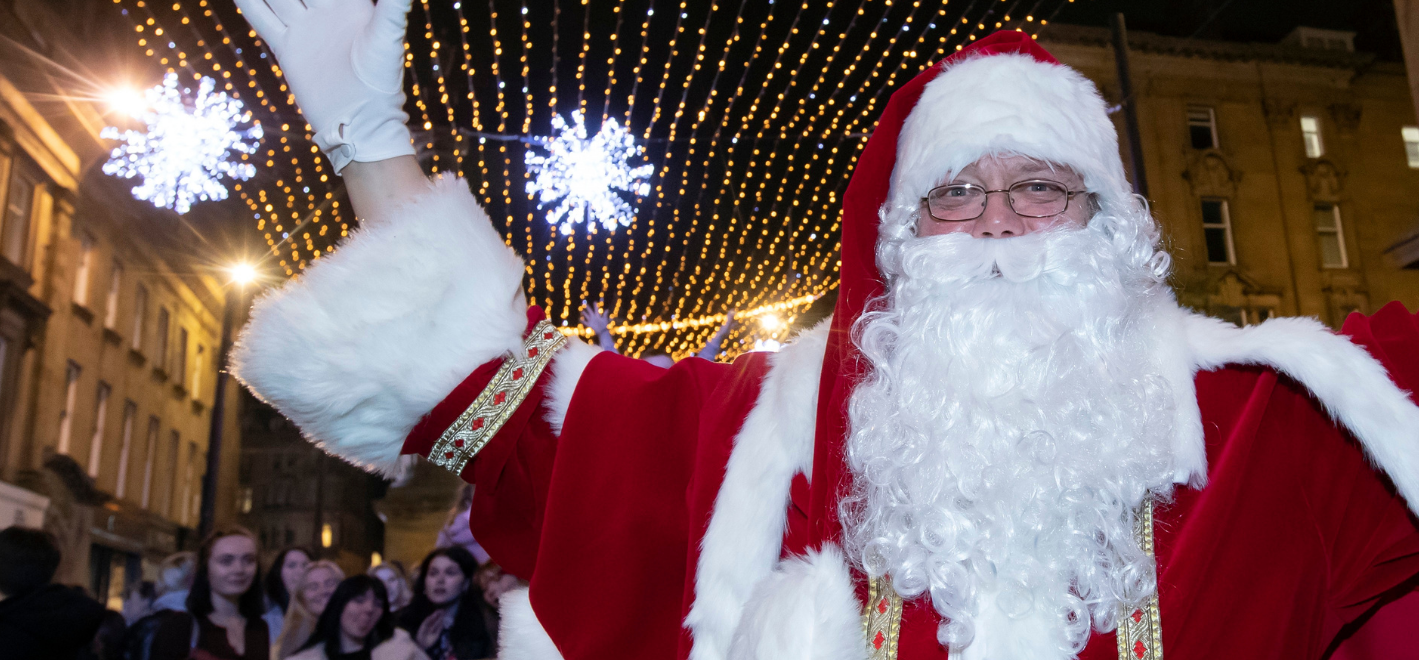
x=241 y=275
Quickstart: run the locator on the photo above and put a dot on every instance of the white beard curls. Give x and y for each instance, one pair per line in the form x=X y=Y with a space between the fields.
x=1011 y=421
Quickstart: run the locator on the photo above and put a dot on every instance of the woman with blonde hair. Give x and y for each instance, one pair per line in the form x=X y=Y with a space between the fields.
x=396 y=583
x=317 y=584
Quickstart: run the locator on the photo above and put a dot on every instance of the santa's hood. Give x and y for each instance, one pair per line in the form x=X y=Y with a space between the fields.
x=1003 y=94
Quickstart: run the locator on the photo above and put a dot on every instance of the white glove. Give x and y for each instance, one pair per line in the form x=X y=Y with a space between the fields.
x=344 y=61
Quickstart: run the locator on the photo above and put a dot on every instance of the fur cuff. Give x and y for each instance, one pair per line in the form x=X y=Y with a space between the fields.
x=520 y=634
x=805 y=610
x=370 y=338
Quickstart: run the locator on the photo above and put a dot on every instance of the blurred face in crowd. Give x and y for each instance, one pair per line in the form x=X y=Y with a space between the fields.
x=232 y=565
x=317 y=587
x=445 y=581
x=358 y=619
x=136 y=606
x=999 y=218
x=292 y=568
x=392 y=584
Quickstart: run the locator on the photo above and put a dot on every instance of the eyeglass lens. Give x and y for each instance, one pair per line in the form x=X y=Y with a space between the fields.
x=967 y=201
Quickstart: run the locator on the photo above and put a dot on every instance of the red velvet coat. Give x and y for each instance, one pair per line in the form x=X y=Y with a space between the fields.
x=1294 y=540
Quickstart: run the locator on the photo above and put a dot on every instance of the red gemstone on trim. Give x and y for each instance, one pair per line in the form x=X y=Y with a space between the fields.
x=448 y=454
x=878 y=640
x=548 y=335
x=1137 y=616
x=458 y=443
x=477 y=424
x=517 y=374
x=532 y=352
x=1139 y=649
x=882 y=606
x=499 y=398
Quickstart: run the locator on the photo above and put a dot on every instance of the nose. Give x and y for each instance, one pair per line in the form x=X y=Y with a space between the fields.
x=998 y=220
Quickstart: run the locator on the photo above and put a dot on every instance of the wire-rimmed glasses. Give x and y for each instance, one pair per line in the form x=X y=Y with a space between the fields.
x=1035 y=198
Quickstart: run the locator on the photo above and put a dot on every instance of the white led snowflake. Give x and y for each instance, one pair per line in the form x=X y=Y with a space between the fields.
x=184 y=152
x=585 y=175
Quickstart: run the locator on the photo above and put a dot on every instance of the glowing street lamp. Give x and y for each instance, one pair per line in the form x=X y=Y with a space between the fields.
x=241 y=274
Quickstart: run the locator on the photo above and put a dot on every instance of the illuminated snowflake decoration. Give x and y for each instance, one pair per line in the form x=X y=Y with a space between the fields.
x=585 y=177
x=187 y=147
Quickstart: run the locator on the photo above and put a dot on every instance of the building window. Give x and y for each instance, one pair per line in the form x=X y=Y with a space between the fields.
x=66 y=416
x=179 y=364
x=148 y=458
x=327 y=535
x=190 y=494
x=1202 y=127
x=1411 y=145
x=125 y=450
x=140 y=309
x=1217 y=230
x=174 y=454
x=1328 y=233
x=160 y=352
x=115 y=282
x=197 y=361
x=100 y=416
x=19 y=204
x=244 y=498
x=1310 y=134
x=82 y=269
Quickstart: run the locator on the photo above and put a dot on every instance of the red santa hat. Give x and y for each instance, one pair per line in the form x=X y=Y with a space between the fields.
x=1005 y=94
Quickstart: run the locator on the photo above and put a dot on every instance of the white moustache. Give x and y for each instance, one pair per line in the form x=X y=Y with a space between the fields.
x=955 y=259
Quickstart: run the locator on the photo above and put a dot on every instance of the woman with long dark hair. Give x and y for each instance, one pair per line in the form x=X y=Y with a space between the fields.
x=447 y=617
x=356 y=625
x=282 y=580
x=224 y=606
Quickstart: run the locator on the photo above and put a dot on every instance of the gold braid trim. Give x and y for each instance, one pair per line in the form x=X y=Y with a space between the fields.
x=498 y=401
x=1140 y=629
x=882 y=619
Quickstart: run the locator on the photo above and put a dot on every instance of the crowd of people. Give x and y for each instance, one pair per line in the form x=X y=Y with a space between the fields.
x=214 y=604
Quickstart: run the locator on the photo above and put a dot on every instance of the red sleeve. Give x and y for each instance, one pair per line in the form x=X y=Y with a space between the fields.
x=512 y=472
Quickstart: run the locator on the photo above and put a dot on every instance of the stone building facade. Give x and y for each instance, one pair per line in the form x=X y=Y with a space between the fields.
x=1285 y=176
x=110 y=324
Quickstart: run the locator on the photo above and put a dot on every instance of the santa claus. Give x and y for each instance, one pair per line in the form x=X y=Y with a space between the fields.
x=1009 y=442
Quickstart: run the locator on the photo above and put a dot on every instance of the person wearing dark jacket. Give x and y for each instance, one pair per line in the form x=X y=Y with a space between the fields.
x=37 y=619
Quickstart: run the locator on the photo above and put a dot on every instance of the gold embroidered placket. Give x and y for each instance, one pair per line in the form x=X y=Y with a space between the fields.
x=1140 y=629
x=497 y=402
x=882 y=619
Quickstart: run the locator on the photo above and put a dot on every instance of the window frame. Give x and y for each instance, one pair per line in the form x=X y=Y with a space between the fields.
x=1225 y=226
x=1312 y=135
x=1211 y=125
x=1338 y=230
x=115 y=289
x=125 y=450
x=140 y=312
x=83 y=269
x=101 y=397
x=72 y=374
x=155 y=427
x=1410 y=137
x=163 y=329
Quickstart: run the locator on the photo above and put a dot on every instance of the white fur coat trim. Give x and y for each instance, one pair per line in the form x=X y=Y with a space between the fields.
x=806 y=609
x=520 y=634
x=742 y=543
x=567 y=368
x=739 y=554
x=370 y=338
x=1352 y=385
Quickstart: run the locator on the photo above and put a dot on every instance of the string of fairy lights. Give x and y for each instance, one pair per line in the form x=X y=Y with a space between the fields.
x=751 y=115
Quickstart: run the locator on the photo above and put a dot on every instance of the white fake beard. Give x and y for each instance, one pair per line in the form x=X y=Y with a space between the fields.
x=1011 y=421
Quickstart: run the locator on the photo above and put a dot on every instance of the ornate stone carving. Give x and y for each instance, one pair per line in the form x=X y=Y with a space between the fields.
x=1278 y=112
x=1211 y=175
x=1324 y=180
x=1346 y=116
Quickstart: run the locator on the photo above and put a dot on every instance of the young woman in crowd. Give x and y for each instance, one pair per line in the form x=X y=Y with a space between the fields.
x=281 y=581
x=356 y=625
x=448 y=617
x=174 y=580
x=396 y=584
x=455 y=529
x=315 y=588
x=224 y=606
